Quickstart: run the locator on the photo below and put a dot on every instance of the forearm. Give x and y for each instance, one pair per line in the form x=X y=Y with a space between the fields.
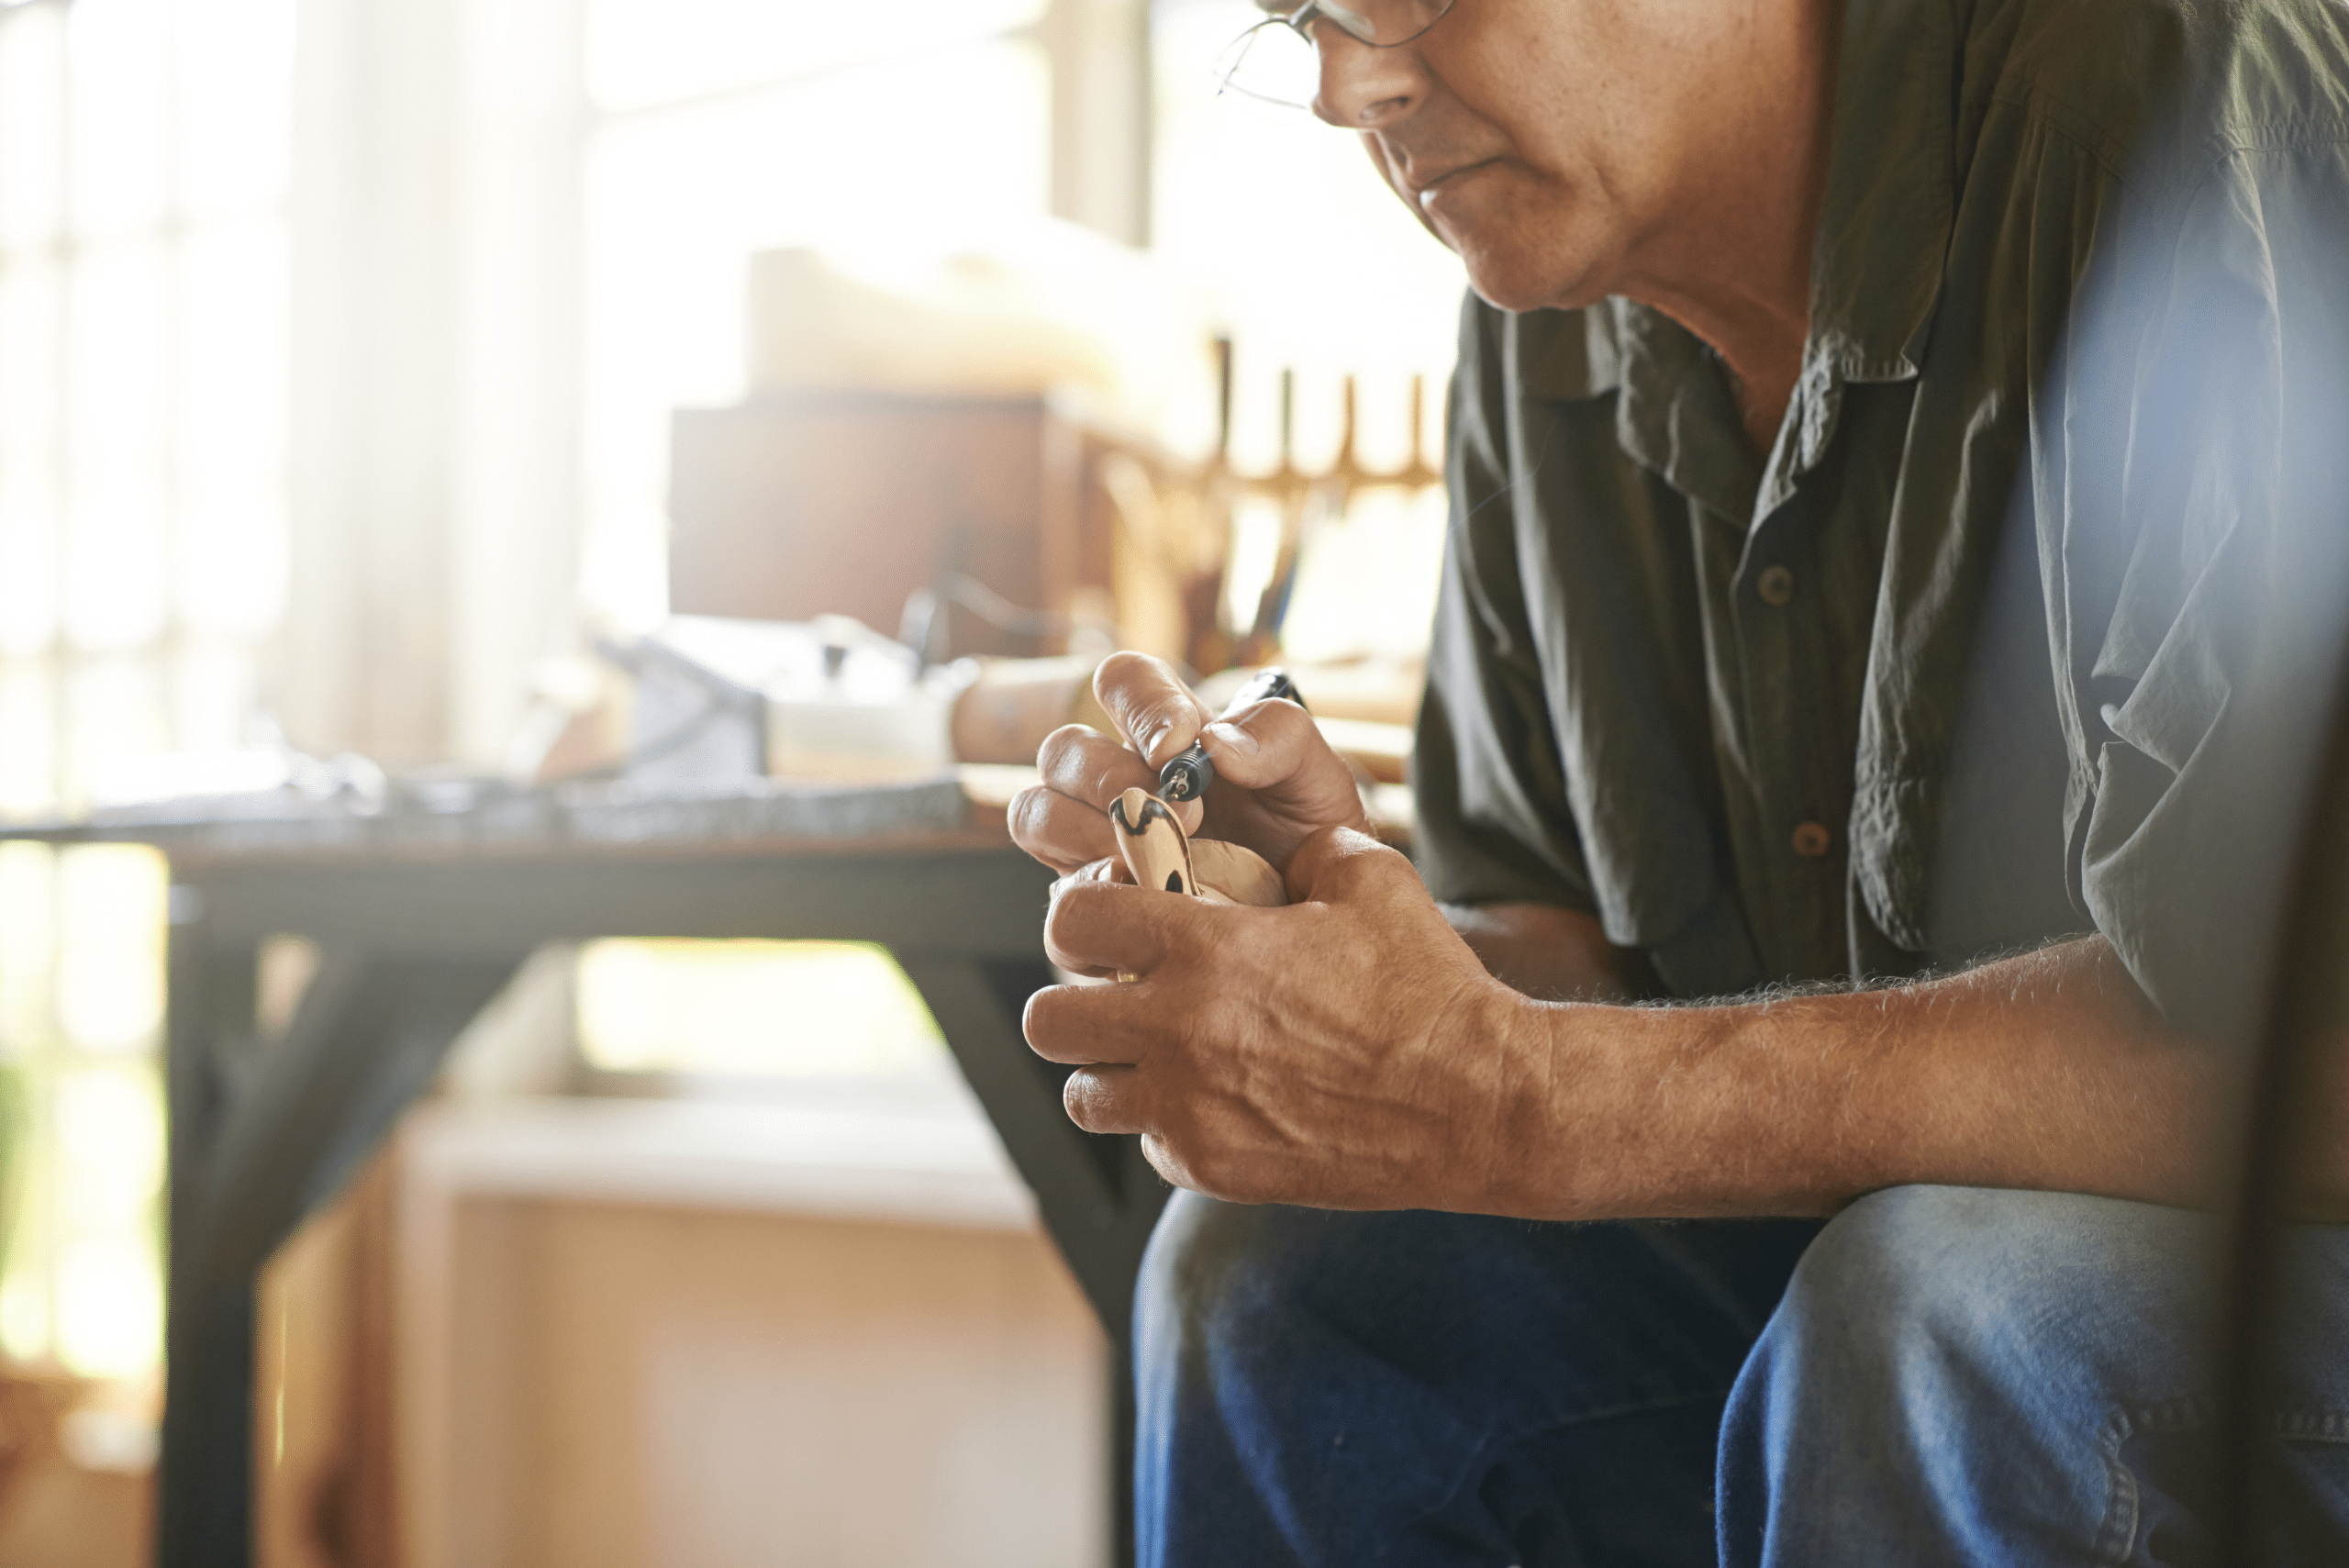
x=1350 y=1051
x=2047 y=1071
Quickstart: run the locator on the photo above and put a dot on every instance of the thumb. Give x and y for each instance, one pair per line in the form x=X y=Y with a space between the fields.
x=1275 y=747
x=1267 y=743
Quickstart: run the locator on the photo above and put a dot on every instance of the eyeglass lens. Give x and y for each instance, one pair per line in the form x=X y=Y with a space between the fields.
x=1276 y=62
x=1383 y=23
x=1270 y=65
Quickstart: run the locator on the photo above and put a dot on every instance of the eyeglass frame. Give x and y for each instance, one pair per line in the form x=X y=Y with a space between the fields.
x=1300 y=22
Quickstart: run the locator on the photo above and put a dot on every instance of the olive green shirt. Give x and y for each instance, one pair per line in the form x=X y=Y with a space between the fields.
x=2027 y=623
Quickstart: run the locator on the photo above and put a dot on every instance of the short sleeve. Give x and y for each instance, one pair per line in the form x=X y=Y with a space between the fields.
x=2205 y=595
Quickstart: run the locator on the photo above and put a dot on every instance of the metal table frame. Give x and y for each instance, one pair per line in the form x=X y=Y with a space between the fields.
x=421 y=917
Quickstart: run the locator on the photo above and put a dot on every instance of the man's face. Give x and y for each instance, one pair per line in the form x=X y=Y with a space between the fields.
x=1547 y=141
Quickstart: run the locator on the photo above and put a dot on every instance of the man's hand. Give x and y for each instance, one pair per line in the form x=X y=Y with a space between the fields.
x=1276 y=779
x=1347 y=1051
x=1351 y=1051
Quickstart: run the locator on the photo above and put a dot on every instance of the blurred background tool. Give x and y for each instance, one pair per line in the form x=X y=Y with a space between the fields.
x=719 y=700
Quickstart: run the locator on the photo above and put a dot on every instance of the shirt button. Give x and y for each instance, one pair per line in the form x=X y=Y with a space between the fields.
x=1812 y=839
x=1776 y=586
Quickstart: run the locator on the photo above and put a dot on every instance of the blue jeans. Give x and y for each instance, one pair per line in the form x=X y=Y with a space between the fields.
x=1939 y=1375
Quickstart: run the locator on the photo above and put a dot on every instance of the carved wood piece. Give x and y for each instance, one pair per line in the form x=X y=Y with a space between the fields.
x=1152 y=843
x=1233 y=874
x=1161 y=855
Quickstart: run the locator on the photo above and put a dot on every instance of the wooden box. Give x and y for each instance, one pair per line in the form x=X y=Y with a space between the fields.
x=794 y=504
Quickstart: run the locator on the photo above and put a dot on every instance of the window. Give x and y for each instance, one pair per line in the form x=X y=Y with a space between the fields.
x=1316 y=270
x=143 y=153
x=145 y=303
x=719 y=129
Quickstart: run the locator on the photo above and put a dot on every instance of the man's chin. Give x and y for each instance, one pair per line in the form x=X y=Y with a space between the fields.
x=1516 y=264
x=1516 y=283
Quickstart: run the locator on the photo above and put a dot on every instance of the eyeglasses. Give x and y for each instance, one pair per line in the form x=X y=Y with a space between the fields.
x=1276 y=65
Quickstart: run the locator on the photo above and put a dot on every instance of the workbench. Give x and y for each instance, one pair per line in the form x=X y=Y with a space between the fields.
x=422 y=910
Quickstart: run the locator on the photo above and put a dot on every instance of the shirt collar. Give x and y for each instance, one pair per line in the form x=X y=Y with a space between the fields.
x=1885 y=220
x=1674 y=415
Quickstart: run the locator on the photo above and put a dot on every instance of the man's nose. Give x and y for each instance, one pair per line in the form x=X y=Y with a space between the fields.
x=1364 y=88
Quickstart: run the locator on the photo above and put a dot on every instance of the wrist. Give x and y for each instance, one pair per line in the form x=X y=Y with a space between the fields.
x=1533 y=1143
x=1615 y=1112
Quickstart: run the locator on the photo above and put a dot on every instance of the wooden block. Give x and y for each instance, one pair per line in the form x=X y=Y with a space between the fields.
x=790 y=507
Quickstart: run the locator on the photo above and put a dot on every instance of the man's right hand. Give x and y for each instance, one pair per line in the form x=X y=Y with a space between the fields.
x=1277 y=780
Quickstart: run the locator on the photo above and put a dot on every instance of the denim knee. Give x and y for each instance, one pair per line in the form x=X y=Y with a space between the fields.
x=1910 y=1284
x=1958 y=1370
x=1342 y=1388
x=1214 y=1278
x=1264 y=1414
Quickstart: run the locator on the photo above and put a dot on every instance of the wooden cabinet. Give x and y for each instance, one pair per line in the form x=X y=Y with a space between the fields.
x=605 y=1333
x=794 y=504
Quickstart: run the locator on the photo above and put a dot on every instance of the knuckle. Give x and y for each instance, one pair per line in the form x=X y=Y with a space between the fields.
x=1161 y=706
x=1345 y=876
x=1036 y=1018
x=1276 y=718
x=1081 y=1096
x=1215 y=1173
x=1074 y=963
x=1122 y=670
x=1168 y=1162
x=1164 y=1160
x=1067 y=740
x=1309 y=866
x=1089 y=768
x=1109 y=778
x=1059 y=924
x=1075 y=903
x=1142 y=693
x=1376 y=869
x=1030 y=817
x=1339 y=856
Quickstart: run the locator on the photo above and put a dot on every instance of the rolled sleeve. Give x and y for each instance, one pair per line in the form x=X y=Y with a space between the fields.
x=2214 y=675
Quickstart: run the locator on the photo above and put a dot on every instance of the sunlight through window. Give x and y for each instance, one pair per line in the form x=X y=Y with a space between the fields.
x=144 y=161
x=753 y=1009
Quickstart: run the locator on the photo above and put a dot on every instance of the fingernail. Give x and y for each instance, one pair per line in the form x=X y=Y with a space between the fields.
x=1234 y=738
x=1160 y=732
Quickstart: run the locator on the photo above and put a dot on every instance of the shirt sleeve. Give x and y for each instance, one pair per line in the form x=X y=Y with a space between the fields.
x=2201 y=542
x=1493 y=826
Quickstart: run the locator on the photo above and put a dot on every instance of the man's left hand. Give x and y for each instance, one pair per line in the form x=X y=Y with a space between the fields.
x=1346 y=1052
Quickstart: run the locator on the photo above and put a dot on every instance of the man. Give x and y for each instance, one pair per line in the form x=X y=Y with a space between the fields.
x=1901 y=526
